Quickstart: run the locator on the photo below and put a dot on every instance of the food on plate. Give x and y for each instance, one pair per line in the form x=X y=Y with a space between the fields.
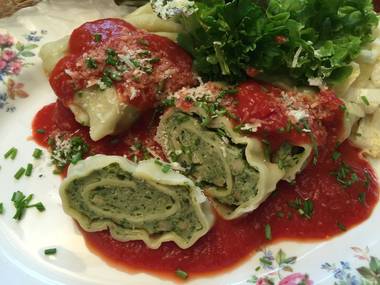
x=145 y=18
x=135 y=201
x=113 y=72
x=234 y=168
x=308 y=41
x=262 y=124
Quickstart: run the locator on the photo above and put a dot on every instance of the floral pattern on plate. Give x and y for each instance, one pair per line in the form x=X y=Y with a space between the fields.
x=278 y=269
x=13 y=58
x=345 y=274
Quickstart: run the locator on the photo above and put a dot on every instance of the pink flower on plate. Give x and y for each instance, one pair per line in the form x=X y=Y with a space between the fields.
x=15 y=67
x=3 y=65
x=295 y=279
x=15 y=89
x=6 y=40
x=8 y=55
x=263 y=281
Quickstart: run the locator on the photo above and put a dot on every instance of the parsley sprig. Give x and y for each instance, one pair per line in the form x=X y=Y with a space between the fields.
x=319 y=38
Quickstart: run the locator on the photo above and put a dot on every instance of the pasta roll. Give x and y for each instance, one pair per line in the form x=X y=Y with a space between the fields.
x=233 y=169
x=135 y=201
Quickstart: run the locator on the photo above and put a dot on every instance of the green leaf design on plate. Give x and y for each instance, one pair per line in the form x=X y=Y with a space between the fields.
x=19 y=46
x=366 y=273
x=374 y=265
x=280 y=256
x=30 y=46
x=27 y=54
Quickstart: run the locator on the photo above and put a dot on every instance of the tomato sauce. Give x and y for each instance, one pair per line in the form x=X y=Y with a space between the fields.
x=110 y=52
x=336 y=208
x=230 y=242
x=272 y=109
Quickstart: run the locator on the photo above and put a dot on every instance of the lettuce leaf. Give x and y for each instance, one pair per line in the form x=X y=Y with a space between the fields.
x=302 y=39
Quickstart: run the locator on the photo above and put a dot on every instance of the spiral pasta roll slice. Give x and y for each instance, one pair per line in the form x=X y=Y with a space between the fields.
x=232 y=169
x=135 y=201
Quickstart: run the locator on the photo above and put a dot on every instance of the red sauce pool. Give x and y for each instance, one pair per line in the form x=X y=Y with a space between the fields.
x=230 y=242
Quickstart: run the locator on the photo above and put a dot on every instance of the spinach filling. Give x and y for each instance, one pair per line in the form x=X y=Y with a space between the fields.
x=111 y=194
x=214 y=162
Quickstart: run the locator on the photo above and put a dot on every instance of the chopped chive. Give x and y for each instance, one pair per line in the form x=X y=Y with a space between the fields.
x=37 y=153
x=91 y=63
x=29 y=169
x=97 y=37
x=1 y=208
x=39 y=206
x=158 y=162
x=154 y=60
x=11 y=153
x=367 y=180
x=268 y=232
x=40 y=131
x=345 y=175
x=365 y=100
x=362 y=198
x=166 y=168
x=336 y=155
x=50 y=251
x=343 y=108
x=21 y=203
x=341 y=226
x=181 y=274
x=76 y=158
x=20 y=173
x=143 y=42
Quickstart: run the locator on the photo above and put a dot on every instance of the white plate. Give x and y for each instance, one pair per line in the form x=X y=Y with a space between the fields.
x=22 y=243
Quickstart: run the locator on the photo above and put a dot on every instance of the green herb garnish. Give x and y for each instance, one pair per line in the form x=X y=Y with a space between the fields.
x=304 y=207
x=29 y=170
x=97 y=38
x=336 y=155
x=320 y=38
x=12 y=153
x=181 y=274
x=268 y=232
x=166 y=168
x=362 y=198
x=91 y=63
x=112 y=57
x=50 y=251
x=19 y=173
x=365 y=100
x=37 y=153
x=345 y=175
x=40 y=131
x=67 y=150
x=1 y=208
x=341 y=226
x=22 y=203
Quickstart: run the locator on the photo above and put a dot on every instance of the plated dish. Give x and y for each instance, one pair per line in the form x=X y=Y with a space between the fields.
x=186 y=163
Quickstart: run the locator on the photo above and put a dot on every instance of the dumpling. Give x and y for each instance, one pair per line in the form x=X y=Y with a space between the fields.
x=102 y=112
x=108 y=73
x=52 y=52
x=145 y=18
x=136 y=201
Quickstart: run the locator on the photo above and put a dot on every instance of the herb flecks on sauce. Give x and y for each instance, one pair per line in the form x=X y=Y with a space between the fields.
x=67 y=150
